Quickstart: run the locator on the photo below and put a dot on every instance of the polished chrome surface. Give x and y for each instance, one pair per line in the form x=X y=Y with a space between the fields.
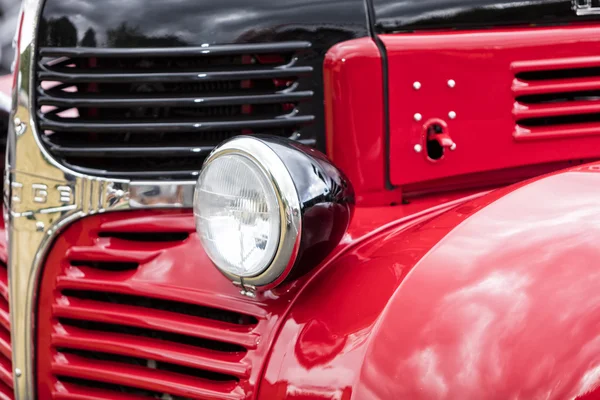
x=585 y=7
x=144 y=194
x=289 y=208
x=42 y=197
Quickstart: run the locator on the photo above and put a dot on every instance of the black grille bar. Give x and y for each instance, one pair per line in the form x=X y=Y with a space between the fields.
x=85 y=100
x=230 y=49
x=48 y=123
x=124 y=77
x=158 y=112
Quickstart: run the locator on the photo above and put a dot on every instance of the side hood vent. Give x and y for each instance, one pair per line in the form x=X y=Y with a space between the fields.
x=158 y=112
x=556 y=98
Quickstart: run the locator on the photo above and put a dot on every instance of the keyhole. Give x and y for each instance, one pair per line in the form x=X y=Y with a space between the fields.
x=435 y=151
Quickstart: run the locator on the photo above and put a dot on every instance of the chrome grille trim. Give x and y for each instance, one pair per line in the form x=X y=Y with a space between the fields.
x=42 y=197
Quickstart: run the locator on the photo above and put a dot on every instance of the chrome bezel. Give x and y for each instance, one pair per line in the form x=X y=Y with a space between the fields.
x=289 y=209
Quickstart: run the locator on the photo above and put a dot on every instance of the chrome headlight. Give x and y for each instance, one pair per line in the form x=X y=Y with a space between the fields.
x=264 y=204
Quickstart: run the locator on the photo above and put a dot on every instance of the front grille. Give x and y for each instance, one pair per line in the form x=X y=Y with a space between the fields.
x=121 y=315
x=157 y=113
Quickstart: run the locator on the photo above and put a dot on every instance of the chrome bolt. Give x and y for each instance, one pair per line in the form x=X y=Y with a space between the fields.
x=451 y=83
x=417 y=85
x=418 y=148
x=39 y=226
x=452 y=115
x=418 y=117
x=18 y=372
x=19 y=126
x=453 y=147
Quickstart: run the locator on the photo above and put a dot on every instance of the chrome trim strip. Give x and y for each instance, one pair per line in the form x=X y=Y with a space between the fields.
x=42 y=197
x=585 y=7
x=145 y=194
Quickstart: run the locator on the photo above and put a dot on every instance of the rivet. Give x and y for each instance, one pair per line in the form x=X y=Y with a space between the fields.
x=418 y=117
x=39 y=226
x=417 y=85
x=451 y=83
x=418 y=148
x=452 y=115
x=17 y=121
x=18 y=372
x=453 y=147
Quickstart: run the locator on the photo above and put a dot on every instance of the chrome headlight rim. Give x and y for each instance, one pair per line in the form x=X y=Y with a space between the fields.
x=288 y=200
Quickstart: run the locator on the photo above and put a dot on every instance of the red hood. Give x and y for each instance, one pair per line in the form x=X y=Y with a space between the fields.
x=506 y=306
x=497 y=298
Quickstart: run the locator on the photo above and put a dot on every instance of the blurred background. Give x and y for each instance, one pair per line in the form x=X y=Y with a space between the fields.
x=9 y=13
x=9 y=16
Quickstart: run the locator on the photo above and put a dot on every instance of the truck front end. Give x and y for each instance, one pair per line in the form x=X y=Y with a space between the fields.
x=135 y=272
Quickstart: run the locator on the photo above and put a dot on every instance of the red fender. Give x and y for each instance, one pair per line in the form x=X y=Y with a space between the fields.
x=497 y=298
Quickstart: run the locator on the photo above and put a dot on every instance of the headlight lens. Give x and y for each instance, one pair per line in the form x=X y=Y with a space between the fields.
x=269 y=209
x=237 y=213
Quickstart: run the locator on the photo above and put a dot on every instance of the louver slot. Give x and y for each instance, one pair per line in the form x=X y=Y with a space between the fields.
x=556 y=98
x=158 y=112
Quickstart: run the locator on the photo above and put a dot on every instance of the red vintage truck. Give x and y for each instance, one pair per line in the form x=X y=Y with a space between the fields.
x=334 y=199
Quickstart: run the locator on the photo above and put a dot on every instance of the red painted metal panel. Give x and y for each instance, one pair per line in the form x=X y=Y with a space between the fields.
x=492 y=71
x=135 y=312
x=355 y=115
x=496 y=298
x=6 y=374
x=98 y=312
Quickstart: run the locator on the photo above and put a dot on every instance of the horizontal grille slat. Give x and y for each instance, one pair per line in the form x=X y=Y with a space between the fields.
x=74 y=366
x=523 y=111
x=172 y=101
x=169 y=127
x=113 y=253
x=4 y=316
x=71 y=391
x=4 y=283
x=165 y=109
x=195 y=76
x=6 y=372
x=556 y=132
x=118 y=173
x=6 y=375
x=5 y=344
x=131 y=152
x=99 y=280
x=257 y=48
x=6 y=393
x=523 y=88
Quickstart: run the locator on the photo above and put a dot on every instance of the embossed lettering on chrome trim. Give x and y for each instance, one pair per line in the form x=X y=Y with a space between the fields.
x=41 y=197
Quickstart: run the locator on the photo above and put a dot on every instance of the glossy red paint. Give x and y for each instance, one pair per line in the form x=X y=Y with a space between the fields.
x=493 y=299
x=6 y=375
x=493 y=128
x=164 y=271
x=353 y=85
